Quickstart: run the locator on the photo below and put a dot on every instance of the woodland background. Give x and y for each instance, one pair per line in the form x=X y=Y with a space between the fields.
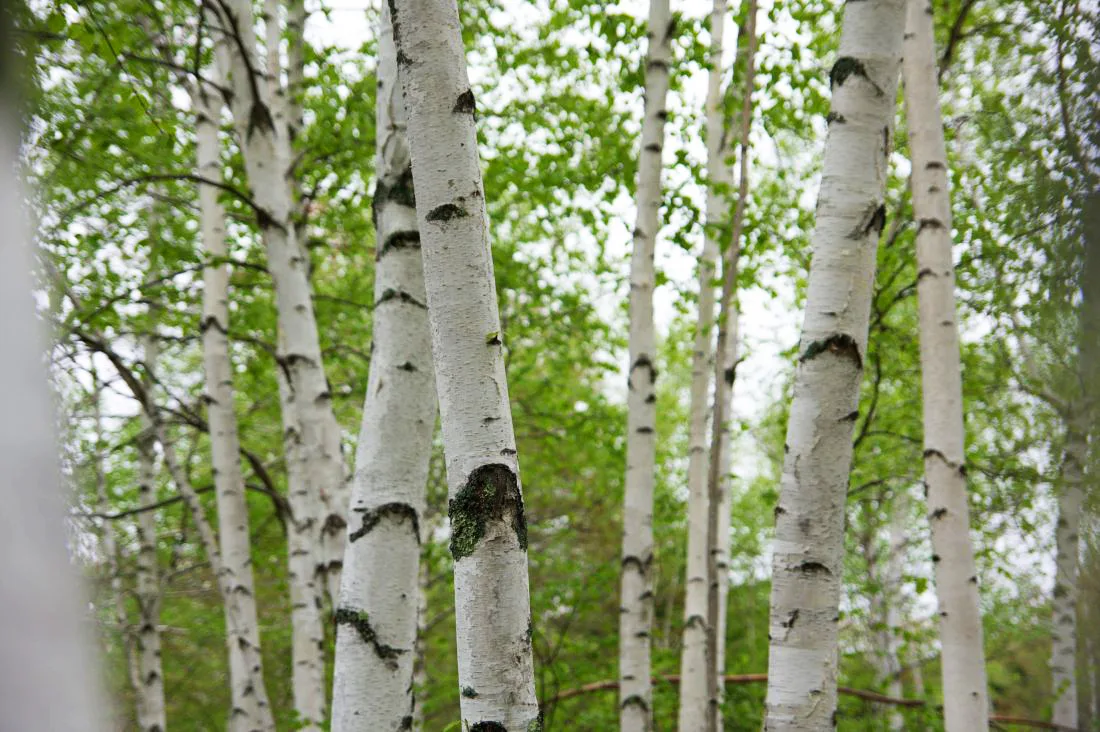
x=558 y=83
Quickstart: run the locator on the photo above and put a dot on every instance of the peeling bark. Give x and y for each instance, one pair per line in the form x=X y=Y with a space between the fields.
x=808 y=550
x=966 y=698
x=492 y=597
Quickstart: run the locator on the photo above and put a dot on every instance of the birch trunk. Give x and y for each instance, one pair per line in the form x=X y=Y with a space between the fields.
x=636 y=610
x=312 y=436
x=151 y=708
x=233 y=519
x=966 y=701
x=1064 y=637
x=378 y=610
x=718 y=479
x=725 y=463
x=488 y=527
x=693 y=657
x=808 y=550
x=47 y=668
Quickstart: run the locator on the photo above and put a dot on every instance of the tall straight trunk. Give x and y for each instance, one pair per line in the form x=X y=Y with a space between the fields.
x=1064 y=635
x=151 y=708
x=892 y=589
x=693 y=657
x=233 y=520
x=488 y=527
x=47 y=667
x=808 y=550
x=312 y=435
x=718 y=478
x=725 y=465
x=110 y=545
x=378 y=611
x=966 y=700
x=636 y=604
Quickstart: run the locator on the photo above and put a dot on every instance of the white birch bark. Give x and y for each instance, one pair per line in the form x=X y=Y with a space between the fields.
x=892 y=589
x=693 y=656
x=808 y=550
x=47 y=671
x=233 y=520
x=1064 y=636
x=378 y=611
x=636 y=604
x=151 y=708
x=312 y=436
x=488 y=527
x=966 y=700
x=719 y=479
x=693 y=653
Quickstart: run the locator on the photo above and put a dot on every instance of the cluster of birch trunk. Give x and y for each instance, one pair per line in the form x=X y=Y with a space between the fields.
x=355 y=535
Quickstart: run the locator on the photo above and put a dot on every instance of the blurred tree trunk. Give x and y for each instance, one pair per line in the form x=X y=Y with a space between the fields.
x=378 y=610
x=636 y=607
x=808 y=559
x=488 y=525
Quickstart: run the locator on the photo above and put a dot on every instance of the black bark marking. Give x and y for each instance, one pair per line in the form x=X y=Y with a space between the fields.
x=493 y=340
x=491 y=493
x=935 y=558
x=508 y=451
x=662 y=114
x=873 y=221
x=359 y=621
x=925 y=272
x=779 y=510
x=394 y=511
x=488 y=727
x=934 y=165
x=402 y=58
x=811 y=567
x=845 y=67
x=465 y=103
x=653 y=147
x=635 y=700
x=408 y=239
x=730 y=375
x=211 y=322
x=929 y=224
x=651 y=399
x=850 y=417
x=407 y=366
x=644 y=361
x=840 y=344
x=696 y=621
x=447 y=212
x=644 y=430
x=633 y=560
x=836 y=117
x=791 y=618
x=399 y=191
x=406 y=722
x=391 y=294
x=938 y=514
x=259 y=118
x=657 y=65
x=469 y=692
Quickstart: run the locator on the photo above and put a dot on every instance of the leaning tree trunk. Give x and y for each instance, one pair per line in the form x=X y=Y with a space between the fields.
x=47 y=667
x=966 y=700
x=233 y=520
x=378 y=611
x=312 y=435
x=808 y=550
x=636 y=609
x=151 y=708
x=488 y=527
x=693 y=657
x=718 y=478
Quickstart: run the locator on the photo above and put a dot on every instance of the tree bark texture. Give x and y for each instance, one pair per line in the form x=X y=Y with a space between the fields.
x=488 y=526
x=808 y=550
x=966 y=699
x=378 y=611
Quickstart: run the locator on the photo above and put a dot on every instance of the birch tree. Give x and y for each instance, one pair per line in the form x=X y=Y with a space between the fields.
x=693 y=656
x=966 y=700
x=808 y=549
x=312 y=436
x=718 y=478
x=47 y=681
x=636 y=611
x=488 y=526
x=151 y=709
x=233 y=518
x=379 y=604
